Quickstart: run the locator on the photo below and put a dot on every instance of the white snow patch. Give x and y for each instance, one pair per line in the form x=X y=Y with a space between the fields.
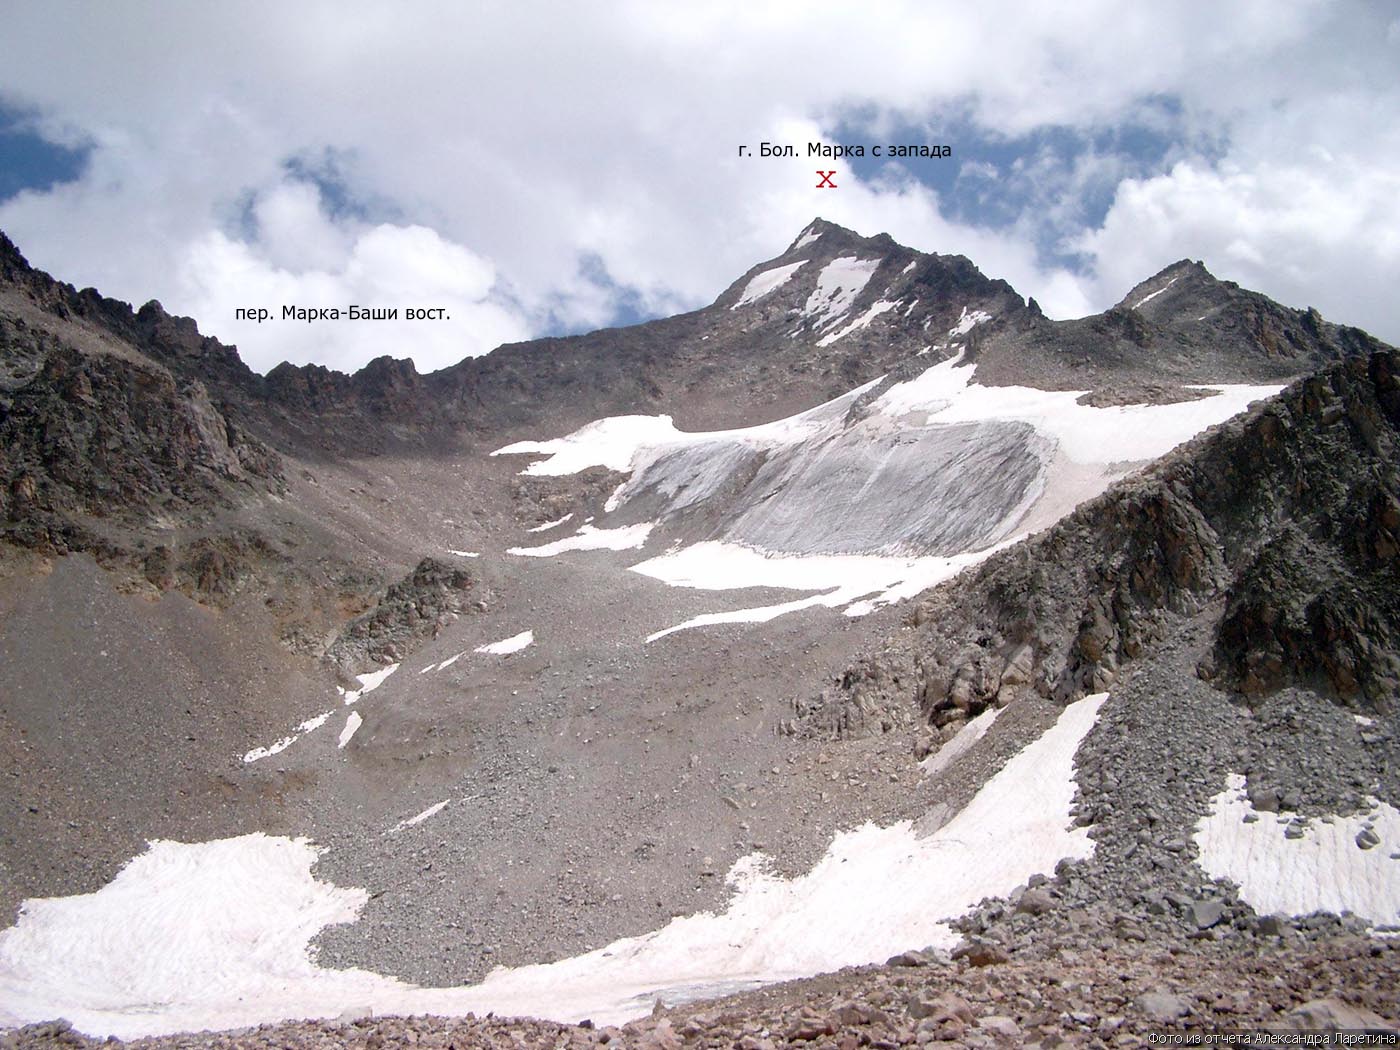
x=186 y=937
x=609 y=442
x=623 y=439
x=840 y=281
x=506 y=646
x=281 y=745
x=808 y=236
x=589 y=538
x=451 y=660
x=766 y=282
x=971 y=732
x=215 y=935
x=908 y=268
x=760 y=614
x=860 y=322
x=1152 y=295
x=968 y=321
x=353 y=721
x=1086 y=434
x=1324 y=870
x=368 y=683
x=464 y=554
x=551 y=524
x=910 y=310
x=1362 y=720
x=432 y=810
x=714 y=565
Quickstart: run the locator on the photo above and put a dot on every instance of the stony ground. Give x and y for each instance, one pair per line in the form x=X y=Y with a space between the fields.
x=1112 y=994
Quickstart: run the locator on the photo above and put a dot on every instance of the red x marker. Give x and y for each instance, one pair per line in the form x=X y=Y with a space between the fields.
x=826 y=183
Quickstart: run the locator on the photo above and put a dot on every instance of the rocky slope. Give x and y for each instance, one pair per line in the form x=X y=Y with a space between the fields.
x=1073 y=998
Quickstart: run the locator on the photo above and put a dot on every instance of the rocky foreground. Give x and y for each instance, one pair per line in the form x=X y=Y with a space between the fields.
x=1114 y=995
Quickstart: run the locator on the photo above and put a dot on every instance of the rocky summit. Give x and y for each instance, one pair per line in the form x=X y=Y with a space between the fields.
x=864 y=659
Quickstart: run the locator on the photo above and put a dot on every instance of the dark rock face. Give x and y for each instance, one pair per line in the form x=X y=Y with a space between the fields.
x=412 y=611
x=1281 y=524
x=97 y=436
x=104 y=436
x=1318 y=603
x=119 y=459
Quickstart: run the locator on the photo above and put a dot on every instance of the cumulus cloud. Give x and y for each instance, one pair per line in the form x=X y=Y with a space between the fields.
x=385 y=267
x=1306 y=234
x=537 y=166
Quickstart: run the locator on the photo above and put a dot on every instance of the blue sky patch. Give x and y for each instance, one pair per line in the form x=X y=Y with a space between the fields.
x=28 y=161
x=1050 y=182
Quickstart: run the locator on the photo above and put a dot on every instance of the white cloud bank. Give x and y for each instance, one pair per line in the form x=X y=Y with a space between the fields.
x=527 y=166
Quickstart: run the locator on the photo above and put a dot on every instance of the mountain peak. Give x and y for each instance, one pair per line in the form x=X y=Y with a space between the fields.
x=831 y=237
x=1182 y=277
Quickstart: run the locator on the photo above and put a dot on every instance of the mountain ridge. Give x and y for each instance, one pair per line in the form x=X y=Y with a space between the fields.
x=652 y=366
x=522 y=654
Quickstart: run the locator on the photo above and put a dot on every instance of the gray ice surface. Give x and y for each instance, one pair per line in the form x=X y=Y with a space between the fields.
x=864 y=489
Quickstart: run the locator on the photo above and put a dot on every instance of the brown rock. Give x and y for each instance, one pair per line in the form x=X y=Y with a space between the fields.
x=1035 y=902
x=811 y=1027
x=1333 y=1015
x=981 y=953
x=943 y=1008
x=661 y=1037
x=1001 y=1026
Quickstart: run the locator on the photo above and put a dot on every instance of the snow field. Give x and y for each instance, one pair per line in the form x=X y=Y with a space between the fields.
x=967 y=321
x=862 y=582
x=1324 y=870
x=1118 y=434
x=368 y=683
x=838 y=285
x=1152 y=295
x=767 y=282
x=353 y=721
x=863 y=321
x=550 y=524
x=589 y=538
x=215 y=935
x=418 y=818
x=259 y=753
x=608 y=442
x=973 y=730
x=808 y=236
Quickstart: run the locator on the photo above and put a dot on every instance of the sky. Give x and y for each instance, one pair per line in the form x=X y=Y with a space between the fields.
x=535 y=169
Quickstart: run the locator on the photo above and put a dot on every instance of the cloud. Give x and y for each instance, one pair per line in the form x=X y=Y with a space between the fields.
x=570 y=160
x=385 y=267
x=1311 y=232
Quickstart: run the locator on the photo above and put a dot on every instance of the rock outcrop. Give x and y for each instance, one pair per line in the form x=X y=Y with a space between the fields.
x=1281 y=525
x=411 y=611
